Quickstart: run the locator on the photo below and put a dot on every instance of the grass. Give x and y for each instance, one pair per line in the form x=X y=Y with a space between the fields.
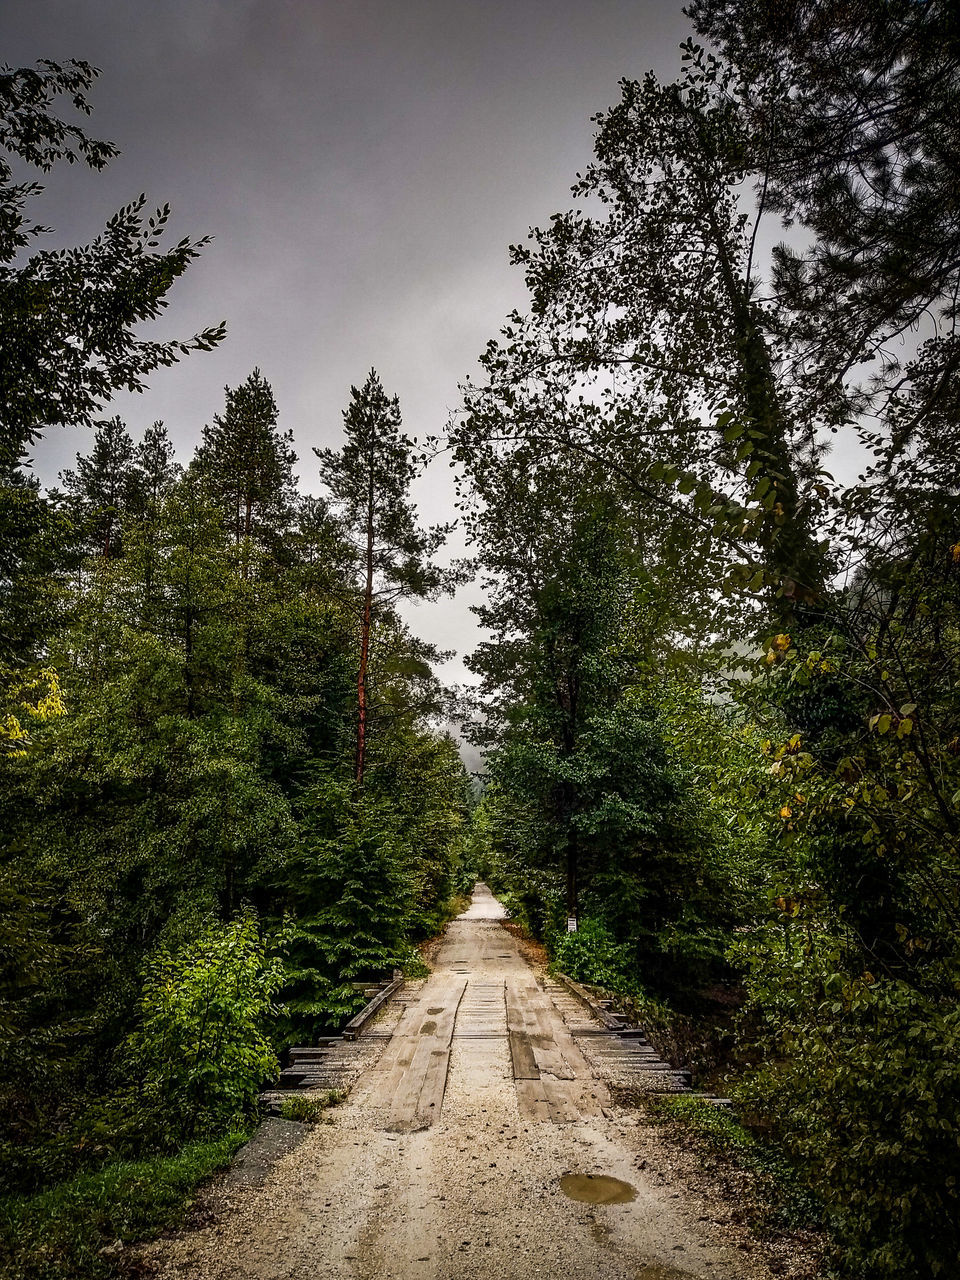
x=782 y=1201
x=310 y=1110
x=715 y=1125
x=69 y=1232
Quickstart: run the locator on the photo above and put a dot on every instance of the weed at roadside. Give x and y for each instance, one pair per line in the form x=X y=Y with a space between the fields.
x=311 y=1109
x=74 y=1231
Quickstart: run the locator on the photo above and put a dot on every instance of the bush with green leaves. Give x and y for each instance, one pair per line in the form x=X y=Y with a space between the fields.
x=859 y=1084
x=200 y=1055
x=312 y=1108
x=349 y=889
x=592 y=954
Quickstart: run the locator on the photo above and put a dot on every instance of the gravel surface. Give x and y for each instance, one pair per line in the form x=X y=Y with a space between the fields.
x=476 y=1194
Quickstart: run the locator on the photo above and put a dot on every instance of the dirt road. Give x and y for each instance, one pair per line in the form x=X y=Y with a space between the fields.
x=450 y=1158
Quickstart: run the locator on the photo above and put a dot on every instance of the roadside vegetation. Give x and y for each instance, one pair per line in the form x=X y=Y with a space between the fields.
x=764 y=1187
x=713 y=488
x=226 y=798
x=78 y=1227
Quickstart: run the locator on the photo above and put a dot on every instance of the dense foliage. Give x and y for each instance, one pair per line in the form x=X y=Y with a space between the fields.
x=591 y=811
x=191 y=877
x=770 y=780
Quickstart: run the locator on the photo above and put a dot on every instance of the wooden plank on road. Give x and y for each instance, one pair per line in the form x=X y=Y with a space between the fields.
x=522 y=1057
x=531 y=1022
x=419 y=1078
x=559 y=1085
x=530 y=1097
x=562 y=1097
x=519 y=1027
x=398 y=1055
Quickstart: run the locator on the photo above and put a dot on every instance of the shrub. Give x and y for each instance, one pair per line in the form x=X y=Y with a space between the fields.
x=860 y=1086
x=713 y=1124
x=593 y=955
x=310 y=1110
x=200 y=1055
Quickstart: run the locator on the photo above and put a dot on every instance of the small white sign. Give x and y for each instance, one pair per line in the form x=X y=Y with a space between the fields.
x=571 y=924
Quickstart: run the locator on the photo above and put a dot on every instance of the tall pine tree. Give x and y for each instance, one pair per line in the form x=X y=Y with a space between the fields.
x=369 y=485
x=157 y=470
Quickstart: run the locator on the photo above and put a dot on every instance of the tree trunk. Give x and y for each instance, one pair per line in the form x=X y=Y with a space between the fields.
x=572 y=880
x=361 y=757
x=790 y=549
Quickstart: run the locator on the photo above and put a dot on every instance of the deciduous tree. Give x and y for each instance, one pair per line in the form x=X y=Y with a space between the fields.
x=69 y=333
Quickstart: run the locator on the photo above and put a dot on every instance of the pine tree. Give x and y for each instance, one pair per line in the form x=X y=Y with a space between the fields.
x=369 y=484
x=246 y=464
x=157 y=471
x=103 y=488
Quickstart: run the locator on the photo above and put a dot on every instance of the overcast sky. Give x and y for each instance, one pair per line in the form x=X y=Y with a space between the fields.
x=363 y=167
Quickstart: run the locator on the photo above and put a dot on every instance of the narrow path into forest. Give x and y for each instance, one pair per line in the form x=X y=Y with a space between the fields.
x=446 y=1161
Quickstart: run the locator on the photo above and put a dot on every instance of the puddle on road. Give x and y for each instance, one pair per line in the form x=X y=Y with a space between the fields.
x=432 y=1012
x=428 y=1028
x=596 y=1188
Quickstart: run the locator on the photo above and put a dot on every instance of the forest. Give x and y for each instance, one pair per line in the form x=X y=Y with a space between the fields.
x=708 y=478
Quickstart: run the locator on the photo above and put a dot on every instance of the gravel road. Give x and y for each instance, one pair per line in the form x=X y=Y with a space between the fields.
x=442 y=1165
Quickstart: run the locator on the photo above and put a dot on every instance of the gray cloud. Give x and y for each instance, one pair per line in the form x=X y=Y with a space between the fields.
x=363 y=167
